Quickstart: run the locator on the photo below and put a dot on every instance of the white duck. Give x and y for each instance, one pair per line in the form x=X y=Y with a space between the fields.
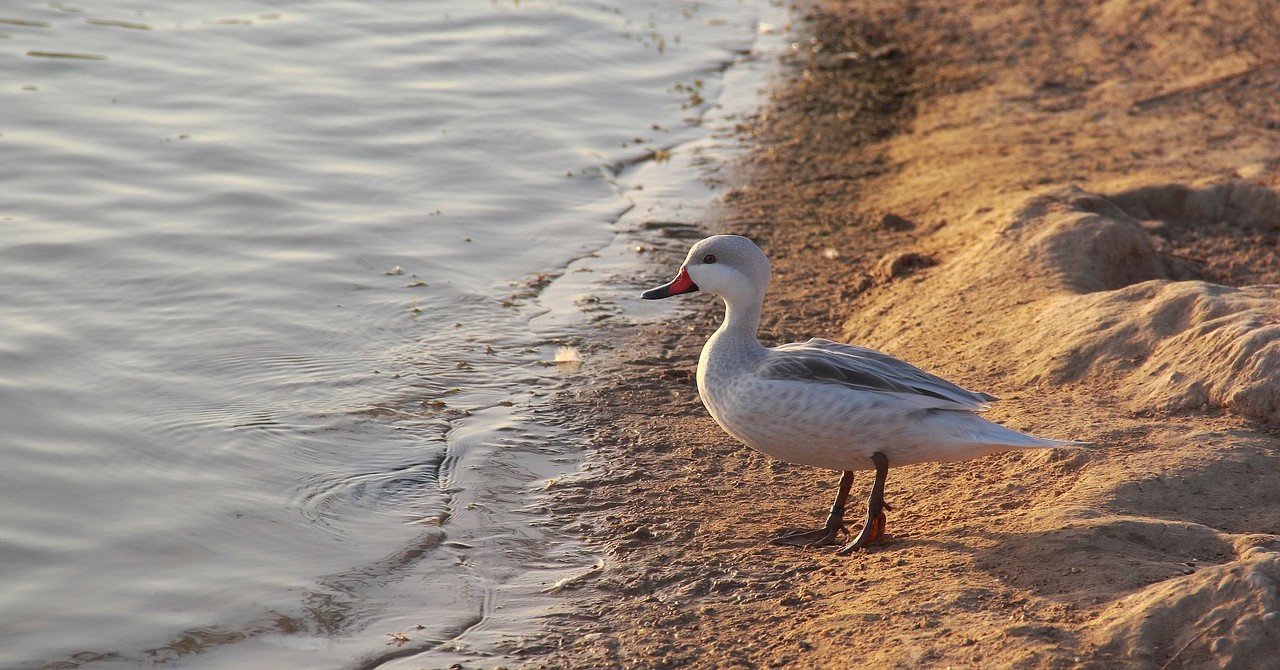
x=820 y=403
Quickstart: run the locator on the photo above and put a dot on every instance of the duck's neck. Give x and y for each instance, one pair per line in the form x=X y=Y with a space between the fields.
x=737 y=335
x=729 y=352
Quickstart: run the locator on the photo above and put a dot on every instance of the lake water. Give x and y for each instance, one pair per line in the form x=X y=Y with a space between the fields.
x=281 y=284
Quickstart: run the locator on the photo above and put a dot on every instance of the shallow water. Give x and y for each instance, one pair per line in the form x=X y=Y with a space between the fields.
x=278 y=311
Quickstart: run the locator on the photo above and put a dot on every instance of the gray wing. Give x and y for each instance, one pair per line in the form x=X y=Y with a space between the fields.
x=864 y=369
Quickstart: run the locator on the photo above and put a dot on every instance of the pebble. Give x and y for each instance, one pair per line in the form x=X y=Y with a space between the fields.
x=888 y=52
x=891 y=221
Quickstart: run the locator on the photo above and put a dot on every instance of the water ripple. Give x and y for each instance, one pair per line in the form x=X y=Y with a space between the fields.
x=225 y=410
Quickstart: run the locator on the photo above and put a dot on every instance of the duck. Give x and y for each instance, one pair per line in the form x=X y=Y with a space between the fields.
x=825 y=404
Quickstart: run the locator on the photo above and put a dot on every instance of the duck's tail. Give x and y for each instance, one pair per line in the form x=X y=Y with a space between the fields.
x=996 y=435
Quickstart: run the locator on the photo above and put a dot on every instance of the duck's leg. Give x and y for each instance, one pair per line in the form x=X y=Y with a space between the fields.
x=874 y=526
x=835 y=521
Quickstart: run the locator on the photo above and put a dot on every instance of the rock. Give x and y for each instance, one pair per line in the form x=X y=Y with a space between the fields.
x=891 y=221
x=888 y=52
x=902 y=263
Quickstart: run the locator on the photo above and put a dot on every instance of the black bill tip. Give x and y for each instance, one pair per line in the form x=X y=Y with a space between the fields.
x=681 y=284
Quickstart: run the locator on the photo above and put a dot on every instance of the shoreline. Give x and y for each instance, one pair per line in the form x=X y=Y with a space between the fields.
x=939 y=196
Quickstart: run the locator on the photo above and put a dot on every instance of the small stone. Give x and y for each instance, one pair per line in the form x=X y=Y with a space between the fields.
x=891 y=221
x=640 y=534
x=888 y=52
x=901 y=264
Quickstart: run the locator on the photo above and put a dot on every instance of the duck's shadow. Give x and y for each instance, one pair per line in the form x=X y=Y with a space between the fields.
x=1097 y=558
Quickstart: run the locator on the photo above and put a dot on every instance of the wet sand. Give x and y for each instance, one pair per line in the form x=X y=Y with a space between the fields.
x=1072 y=208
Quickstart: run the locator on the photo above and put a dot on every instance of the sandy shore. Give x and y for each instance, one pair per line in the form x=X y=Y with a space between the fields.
x=1071 y=207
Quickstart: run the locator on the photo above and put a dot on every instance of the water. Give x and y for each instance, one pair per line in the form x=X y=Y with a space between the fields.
x=278 y=307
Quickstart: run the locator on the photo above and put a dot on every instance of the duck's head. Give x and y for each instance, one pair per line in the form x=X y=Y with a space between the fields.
x=730 y=266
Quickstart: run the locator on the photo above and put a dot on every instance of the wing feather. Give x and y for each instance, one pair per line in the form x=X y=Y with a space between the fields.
x=863 y=369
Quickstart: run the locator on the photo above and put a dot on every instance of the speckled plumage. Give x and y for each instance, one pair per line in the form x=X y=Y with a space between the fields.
x=821 y=403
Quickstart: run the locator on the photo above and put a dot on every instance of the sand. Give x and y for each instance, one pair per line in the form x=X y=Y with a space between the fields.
x=1072 y=207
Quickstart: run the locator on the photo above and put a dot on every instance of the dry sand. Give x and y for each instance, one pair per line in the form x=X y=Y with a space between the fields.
x=1072 y=207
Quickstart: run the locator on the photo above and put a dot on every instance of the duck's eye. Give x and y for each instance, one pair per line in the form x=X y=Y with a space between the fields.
x=709 y=259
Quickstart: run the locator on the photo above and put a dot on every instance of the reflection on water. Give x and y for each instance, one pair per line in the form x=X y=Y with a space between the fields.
x=268 y=383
